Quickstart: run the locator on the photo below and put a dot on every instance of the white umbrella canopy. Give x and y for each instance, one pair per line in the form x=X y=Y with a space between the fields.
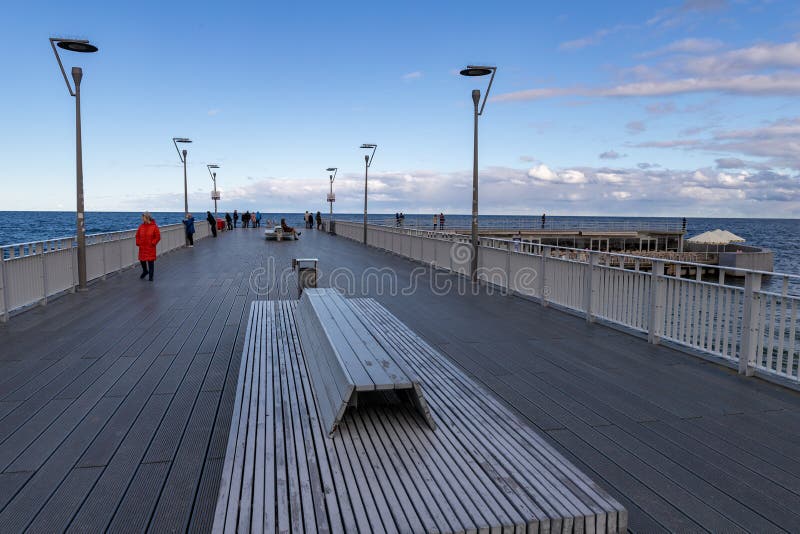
x=716 y=237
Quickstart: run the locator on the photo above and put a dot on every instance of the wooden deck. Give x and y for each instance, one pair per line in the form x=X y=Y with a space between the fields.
x=115 y=405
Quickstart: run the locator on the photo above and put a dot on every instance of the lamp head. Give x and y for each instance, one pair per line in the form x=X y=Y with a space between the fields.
x=181 y=140
x=474 y=70
x=213 y=166
x=330 y=169
x=368 y=145
x=76 y=45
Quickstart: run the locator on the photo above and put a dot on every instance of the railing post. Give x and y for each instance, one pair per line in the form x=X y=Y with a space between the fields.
x=750 y=320
x=508 y=270
x=658 y=299
x=589 y=287
x=4 y=282
x=40 y=250
x=542 y=287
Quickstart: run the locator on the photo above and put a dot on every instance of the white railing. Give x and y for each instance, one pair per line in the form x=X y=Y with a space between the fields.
x=32 y=273
x=754 y=329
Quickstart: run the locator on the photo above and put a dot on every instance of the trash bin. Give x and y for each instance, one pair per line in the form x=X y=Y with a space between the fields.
x=306 y=273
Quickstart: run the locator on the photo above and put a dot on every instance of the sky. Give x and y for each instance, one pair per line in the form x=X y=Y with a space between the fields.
x=659 y=108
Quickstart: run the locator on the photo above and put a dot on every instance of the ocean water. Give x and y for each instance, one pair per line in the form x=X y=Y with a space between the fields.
x=782 y=236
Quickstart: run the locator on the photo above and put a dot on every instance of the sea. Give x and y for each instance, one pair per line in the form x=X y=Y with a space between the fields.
x=782 y=236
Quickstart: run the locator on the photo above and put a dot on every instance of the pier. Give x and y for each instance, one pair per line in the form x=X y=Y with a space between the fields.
x=116 y=403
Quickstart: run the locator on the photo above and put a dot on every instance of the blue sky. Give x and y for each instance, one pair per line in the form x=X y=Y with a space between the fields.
x=685 y=107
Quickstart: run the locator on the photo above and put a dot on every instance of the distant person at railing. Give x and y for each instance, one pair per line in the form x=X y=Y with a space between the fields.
x=188 y=224
x=288 y=229
x=212 y=222
x=441 y=221
x=235 y=218
x=402 y=218
x=229 y=221
x=147 y=237
x=257 y=224
x=544 y=219
x=319 y=221
x=435 y=220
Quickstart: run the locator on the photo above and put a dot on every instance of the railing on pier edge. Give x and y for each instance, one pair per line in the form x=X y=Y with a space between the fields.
x=524 y=222
x=32 y=273
x=746 y=327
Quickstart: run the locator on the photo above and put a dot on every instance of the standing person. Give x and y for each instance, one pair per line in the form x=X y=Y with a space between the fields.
x=235 y=218
x=188 y=223
x=212 y=222
x=246 y=219
x=147 y=237
x=402 y=218
x=435 y=220
x=258 y=219
x=441 y=221
x=228 y=221
x=319 y=221
x=544 y=219
x=305 y=219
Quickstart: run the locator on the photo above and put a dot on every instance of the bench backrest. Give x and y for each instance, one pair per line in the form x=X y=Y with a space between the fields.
x=343 y=357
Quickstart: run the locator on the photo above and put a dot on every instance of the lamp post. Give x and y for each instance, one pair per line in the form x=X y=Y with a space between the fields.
x=82 y=46
x=367 y=162
x=215 y=193
x=475 y=70
x=331 y=198
x=182 y=155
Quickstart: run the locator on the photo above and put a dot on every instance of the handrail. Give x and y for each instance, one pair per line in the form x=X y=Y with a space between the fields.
x=513 y=242
x=745 y=326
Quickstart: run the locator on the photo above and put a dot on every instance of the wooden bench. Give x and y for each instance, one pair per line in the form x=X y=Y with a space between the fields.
x=346 y=363
x=482 y=470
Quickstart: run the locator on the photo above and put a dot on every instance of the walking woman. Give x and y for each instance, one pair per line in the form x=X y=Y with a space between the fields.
x=147 y=237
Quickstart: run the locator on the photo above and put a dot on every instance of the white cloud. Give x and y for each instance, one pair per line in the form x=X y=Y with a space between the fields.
x=758 y=57
x=690 y=45
x=621 y=195
x=412 y=75
x=542 y=172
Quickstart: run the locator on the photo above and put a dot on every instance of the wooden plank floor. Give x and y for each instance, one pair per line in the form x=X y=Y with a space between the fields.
x=115 y=405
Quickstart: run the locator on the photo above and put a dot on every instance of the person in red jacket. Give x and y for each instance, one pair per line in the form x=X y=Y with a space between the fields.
x=147 y=237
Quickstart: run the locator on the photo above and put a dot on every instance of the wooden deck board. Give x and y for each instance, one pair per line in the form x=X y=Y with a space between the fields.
x=566 y=378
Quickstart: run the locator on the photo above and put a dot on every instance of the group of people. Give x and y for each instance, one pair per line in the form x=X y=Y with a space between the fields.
x=311 y=219
x=249 y=220
x=399 y=218
x=438 y=219
x=148 y=234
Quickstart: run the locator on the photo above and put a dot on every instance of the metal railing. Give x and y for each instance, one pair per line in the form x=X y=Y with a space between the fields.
x=522 y=222
x=32 y=273
x=753 y=328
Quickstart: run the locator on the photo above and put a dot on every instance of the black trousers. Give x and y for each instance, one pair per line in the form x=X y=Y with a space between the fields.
x=213 y=229
x=148 y=267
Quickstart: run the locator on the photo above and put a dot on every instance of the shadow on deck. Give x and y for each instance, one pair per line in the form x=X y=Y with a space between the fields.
x=115 y=405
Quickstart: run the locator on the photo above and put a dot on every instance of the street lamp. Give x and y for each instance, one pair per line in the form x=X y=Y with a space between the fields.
x=82 y=46
x=367 y=162
x=215 y=193
x=182 y=155
x=477 y=70
x=331 y=198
